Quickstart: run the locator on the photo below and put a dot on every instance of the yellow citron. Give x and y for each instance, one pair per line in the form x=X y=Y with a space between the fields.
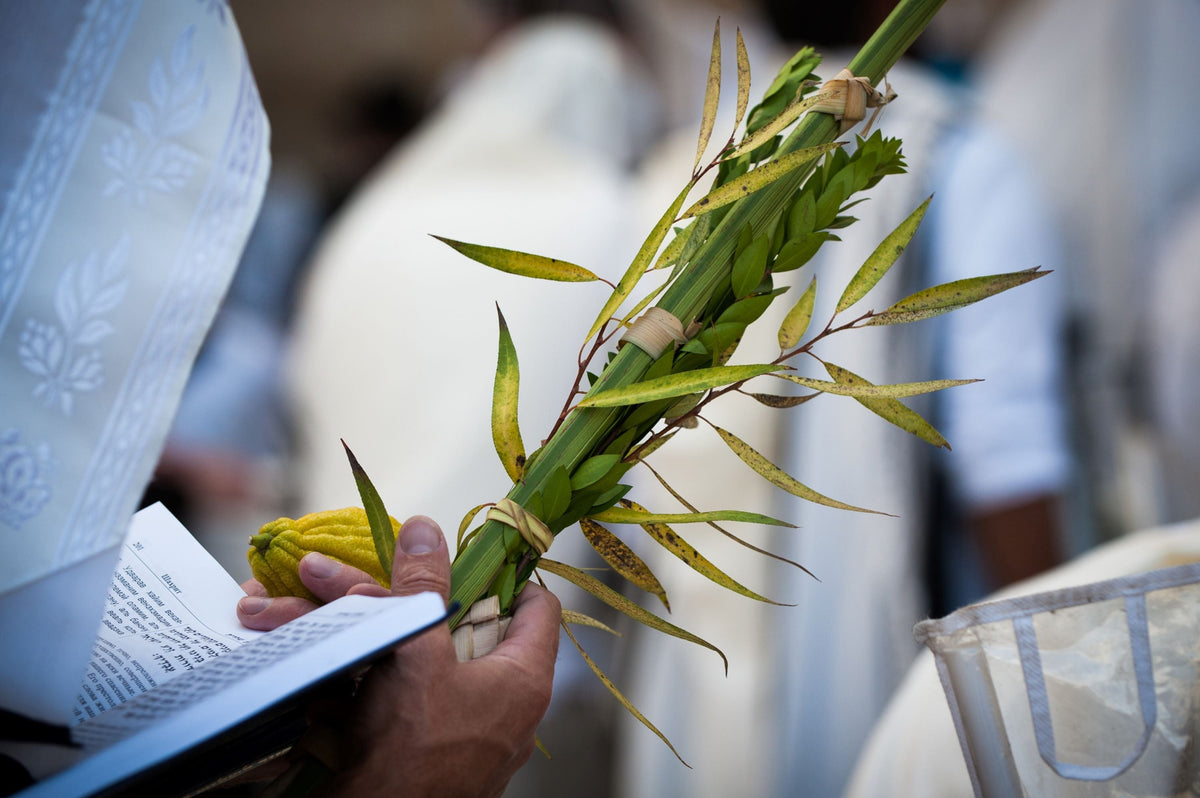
x=344 y=535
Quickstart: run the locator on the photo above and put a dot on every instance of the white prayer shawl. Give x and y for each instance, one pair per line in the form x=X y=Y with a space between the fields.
x=133 y=156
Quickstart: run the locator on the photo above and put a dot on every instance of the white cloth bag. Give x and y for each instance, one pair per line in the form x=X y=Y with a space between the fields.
x=1086 y=691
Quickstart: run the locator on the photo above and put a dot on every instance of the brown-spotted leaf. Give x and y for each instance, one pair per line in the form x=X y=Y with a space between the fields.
x=777 y=476
x=881 y=260
x=623 y=605
x=617 y=694
x=670 y=540
x=579 y=619
x=712 y=95
x=951 y=296
x=781 y=402
x=522 y=263
x=784 y=118
x=743 y=80
x=506 y=434
x=871 y=391
x=889 y=409
x=623 y=559
x=796 y=322
x=757 y=179
x=624 y=515
x=675 y=385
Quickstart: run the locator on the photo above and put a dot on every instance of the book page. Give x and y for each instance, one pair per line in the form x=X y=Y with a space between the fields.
x=220 y=693
x=170 y=607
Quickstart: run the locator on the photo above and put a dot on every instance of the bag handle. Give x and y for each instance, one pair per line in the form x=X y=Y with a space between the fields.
x=1039 y=702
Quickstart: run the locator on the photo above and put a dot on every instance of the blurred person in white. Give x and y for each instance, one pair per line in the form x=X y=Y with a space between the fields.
x=806 y=683
x=395 y=340
x=133 y=156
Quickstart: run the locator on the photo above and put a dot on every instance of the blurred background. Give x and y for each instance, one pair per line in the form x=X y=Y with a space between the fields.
x=1053 y=133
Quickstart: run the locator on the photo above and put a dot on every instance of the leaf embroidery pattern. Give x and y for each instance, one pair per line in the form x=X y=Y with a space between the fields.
x=144 y=157
x=65 y=353
x=24 y=479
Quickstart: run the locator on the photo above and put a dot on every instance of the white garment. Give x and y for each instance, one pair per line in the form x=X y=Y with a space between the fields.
x=133 y=161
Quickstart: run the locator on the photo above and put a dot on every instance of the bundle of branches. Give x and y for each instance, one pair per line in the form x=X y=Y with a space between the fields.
x=775 y=200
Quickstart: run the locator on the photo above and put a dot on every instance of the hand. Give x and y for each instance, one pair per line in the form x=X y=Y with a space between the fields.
x=422 y=723
x=327 y=578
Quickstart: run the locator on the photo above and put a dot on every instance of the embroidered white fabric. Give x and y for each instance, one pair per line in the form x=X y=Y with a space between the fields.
x=133 y=157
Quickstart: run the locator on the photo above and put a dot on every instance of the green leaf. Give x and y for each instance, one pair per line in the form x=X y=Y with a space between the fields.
x=795 y=324
x=712 y=95
x=743 y=79
x=641 y=261
x=623 y=605
x=674 y=385
x=747 y=310
x=802 y=217
x=670 y=254
x=617 y=694
x=623 y=515
x=522 y=263
x=784 y=118
x=377 y=514
x=652 y=446
x=506 y=433
x=881 y=260
x=952 y=296
x=750 y=266
x=556 y=496
x=799 y=251
x=757 y=179
x=890 y=410
x=779 y=477
x=623 y=559
x=593 y=469
x=670 y=540
x=871 y=391
x=579 y=619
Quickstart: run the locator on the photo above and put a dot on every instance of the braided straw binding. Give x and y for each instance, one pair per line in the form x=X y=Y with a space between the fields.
x=852 y=96
x=532 y=529
x=480 y=631
x=654 y=331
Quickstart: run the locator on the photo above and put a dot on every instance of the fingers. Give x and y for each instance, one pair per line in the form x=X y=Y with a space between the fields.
x=329 y=579
x=264 y=614
x=422 y=561
x=253 y=587
x=533 y=633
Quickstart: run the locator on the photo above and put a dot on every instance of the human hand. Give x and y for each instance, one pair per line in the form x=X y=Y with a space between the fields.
x=327 y=578
x=426 y=724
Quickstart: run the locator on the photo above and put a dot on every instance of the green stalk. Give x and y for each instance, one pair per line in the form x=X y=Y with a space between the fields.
x=479 y=564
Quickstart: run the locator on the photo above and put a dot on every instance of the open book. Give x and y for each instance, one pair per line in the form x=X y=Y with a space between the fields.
x=178 y=693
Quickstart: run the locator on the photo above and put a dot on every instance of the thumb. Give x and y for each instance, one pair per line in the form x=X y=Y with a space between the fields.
x=422 y=561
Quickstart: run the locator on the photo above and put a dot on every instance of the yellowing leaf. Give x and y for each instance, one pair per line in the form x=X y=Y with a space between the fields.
x=781 y=402
x=784 y=118
x=670 y=540
x=871 y=391
x=795 y=324
x=623 y=559
x=506 y=435
x=579 y=619
x=465 y=524
x=743 y=76
x=672 y=251
x=674 y=385
x=757 y=179
x=712 y=95
x=640 y=263
x=881 y=260
x=623 y=605
x=891 y=410
x=779 y=477
x=625 y=702
x=951 y=296
x=522 y=263
x=624 y=515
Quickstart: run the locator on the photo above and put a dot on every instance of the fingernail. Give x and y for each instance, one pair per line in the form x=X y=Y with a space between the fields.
x=320 y=566
x=419 y=535
x=253 y=605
